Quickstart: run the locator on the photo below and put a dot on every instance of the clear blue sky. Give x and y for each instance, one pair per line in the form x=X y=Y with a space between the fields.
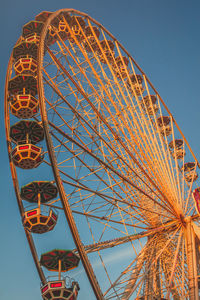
x=163 y=37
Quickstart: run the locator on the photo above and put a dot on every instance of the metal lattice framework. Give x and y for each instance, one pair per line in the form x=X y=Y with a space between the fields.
x=121 y=164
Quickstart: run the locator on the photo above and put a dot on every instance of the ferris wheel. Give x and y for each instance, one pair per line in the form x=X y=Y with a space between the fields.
x=120 y=170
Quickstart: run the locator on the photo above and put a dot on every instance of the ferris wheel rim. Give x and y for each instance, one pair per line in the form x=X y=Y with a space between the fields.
x=87 y=265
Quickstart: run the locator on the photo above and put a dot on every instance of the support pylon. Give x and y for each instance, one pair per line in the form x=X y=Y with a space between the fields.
x=191 y=261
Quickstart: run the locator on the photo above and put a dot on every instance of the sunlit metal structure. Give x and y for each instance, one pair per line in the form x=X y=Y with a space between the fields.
x=121 y=165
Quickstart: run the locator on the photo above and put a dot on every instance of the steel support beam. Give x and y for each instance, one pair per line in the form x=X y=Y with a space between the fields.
x=191 y=260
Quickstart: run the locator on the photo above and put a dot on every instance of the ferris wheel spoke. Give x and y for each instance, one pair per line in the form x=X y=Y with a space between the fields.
x=178 y=179
x=133 y=271
x=190 y=190
x=102 y=218
x=171 y=287
x=109 y=199
x=132 y=281
x=168 y=157
x=79 y=89
x=114 y=199
x=105 y=197
x=105 y=219
x=161 y=253
x=106 y=165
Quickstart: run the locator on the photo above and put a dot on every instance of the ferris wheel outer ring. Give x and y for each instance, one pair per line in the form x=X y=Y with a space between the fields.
x=66 y=207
